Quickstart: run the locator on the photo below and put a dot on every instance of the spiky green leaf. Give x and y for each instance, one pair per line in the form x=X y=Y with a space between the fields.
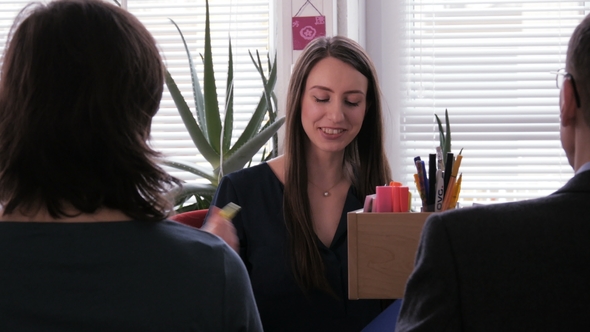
x=228 y=123
x=441 y=132
x=182 y=165
x=269 y=89
x=212 y=116
x=197 y=189
x=203 y=194
x=197 y=94
x=253 y=125
x=190 y=123
x=258 y=65
x=245 y=152
x=447 y=147
x=269 y=84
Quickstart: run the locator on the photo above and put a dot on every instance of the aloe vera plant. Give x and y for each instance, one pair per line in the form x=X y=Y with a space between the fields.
x=445 y=139
x=211 y=138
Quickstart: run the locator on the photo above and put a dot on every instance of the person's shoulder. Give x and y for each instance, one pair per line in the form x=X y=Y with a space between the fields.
x=168 y=242
x=183 y=235
x=495 y=215
x=261 y=169
x=249 y=185
x=258 y=176
x=493 y=208
x=194 y=251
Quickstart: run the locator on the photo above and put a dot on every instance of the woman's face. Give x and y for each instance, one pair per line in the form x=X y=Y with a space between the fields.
x=333 y=104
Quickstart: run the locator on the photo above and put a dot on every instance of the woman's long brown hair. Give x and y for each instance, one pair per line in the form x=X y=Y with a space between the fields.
x=364 y=158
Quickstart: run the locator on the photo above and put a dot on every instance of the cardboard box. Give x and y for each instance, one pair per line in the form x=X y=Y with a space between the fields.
x=381 y=252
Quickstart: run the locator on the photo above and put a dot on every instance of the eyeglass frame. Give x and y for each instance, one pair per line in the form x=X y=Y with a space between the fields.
x=559 y=82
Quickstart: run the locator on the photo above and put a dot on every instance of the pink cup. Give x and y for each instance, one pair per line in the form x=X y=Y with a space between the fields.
x=396 y=199
x=404 y=203
x=383 y=199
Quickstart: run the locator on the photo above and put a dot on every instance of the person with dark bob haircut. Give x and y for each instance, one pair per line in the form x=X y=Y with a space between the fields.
x=292 y=226
x=84 y=240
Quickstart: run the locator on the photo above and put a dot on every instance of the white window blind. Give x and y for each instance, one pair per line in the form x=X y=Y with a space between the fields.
x=489 y=64
x=8 y=12
x=247 y=22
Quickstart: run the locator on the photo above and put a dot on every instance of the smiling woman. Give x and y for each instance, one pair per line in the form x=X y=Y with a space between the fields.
x=332 y=109
x=292 y=226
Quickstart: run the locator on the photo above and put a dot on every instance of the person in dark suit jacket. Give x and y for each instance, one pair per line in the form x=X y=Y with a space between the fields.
x=522 y=266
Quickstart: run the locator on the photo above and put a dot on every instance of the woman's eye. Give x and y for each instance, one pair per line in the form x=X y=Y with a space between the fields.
x=320 y=100
x=349 y=103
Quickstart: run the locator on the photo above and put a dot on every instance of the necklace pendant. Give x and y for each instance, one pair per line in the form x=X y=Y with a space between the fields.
x=326 y=193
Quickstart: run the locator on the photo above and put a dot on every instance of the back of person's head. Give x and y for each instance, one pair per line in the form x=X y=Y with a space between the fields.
x=80 y=83
x=578 y=64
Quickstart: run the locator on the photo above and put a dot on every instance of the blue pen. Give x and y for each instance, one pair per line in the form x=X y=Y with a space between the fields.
x=425 y=180
x=416 y=159
x=423 y=177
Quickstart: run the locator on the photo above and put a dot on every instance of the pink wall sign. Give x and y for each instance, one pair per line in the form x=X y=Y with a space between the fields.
x=306 y=29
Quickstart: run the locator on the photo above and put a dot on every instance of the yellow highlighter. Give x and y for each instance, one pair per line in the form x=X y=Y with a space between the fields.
x=456 y=192
x=229 y=211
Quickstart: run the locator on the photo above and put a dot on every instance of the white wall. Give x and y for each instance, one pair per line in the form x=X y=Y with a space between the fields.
x=379 y=29
x=284 y=10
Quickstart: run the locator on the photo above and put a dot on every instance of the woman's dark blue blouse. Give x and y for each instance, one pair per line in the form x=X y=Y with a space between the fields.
x=260 y=225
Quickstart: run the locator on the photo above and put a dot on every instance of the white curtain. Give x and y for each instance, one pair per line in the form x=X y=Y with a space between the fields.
x=246 y=22
x=488 y=63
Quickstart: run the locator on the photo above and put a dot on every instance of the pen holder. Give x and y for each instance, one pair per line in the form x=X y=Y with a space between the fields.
x=381 y=252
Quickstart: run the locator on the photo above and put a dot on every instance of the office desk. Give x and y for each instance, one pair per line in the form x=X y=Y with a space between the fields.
x=381 y=252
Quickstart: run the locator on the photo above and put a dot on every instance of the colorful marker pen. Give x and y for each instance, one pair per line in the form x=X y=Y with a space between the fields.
x=229 y=211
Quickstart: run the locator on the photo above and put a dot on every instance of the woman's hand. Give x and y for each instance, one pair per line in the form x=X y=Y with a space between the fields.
x=221 y=227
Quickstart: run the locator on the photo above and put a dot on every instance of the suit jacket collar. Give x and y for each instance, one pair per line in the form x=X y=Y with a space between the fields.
x=579 y=183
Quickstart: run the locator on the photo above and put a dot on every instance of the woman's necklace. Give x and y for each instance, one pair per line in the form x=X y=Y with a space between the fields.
x=326 y=192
